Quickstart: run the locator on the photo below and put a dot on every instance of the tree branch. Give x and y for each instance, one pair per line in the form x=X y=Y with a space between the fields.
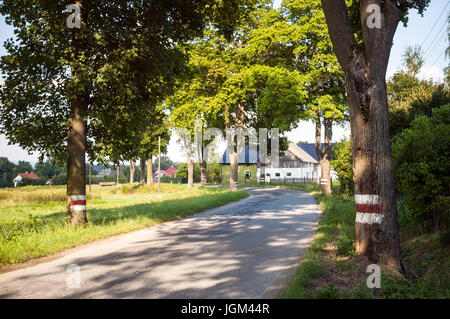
x=340 y=30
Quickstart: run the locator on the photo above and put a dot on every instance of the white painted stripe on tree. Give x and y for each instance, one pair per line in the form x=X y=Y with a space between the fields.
x=369 y=218
x=78 y=208
x=366 y=199
x=77 y=197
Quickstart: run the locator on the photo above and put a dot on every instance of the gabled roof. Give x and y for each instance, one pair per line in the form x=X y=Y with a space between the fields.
x=310 y=149
x=28 y=175
x=171 y=170
x=246 y=156
x=304 y=156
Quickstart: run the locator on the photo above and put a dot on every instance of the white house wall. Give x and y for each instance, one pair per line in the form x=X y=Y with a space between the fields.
x=299 y=172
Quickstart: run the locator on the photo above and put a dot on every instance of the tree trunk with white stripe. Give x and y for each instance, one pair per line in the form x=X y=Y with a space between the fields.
x=377 y=234
x=76 y=138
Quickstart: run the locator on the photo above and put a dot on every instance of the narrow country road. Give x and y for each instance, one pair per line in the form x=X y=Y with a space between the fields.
x=246 y=249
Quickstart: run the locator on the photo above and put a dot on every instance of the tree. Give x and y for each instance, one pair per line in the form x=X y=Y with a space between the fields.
x=166 y=162
x=413 y=60
x=342 y=164
x=22 y=167
x=255 y=93
x=6 y=172
x=296 y=37
x=362 y=35
x=422 y=169
x=59 y=79
x=410 y=97
x=47 y=169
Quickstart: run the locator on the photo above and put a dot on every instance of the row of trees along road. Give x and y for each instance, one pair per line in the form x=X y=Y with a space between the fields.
x=279 y=67
x=91 y=89
x=95 y=89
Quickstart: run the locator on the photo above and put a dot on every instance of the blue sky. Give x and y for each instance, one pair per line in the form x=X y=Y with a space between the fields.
x=418 y=32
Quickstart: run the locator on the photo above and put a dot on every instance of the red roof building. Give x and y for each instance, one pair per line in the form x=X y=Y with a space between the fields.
x=28 y=175
x=170 y=171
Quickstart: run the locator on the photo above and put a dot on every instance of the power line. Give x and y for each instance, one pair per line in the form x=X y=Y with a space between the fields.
x=432 y=44
x=425 y=75
x=430 y=53
x=432 y=28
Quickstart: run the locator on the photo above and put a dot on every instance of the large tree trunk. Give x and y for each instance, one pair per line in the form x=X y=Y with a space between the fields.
x=76 y=137
x=132 y=170
x=142 y=168
x=377 y=234
x=76 y=166
x=149 y=171
x=324 y=155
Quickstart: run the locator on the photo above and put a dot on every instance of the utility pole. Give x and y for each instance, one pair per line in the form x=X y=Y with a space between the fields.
x=159 y=165
x=90 y=177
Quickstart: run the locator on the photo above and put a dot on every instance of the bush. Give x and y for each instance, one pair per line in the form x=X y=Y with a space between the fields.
x=182 y=172
x=343 y=166
x=421 y=167
x=29 y=181
x=60 y=179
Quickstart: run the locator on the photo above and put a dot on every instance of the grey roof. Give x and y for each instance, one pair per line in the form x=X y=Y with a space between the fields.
x=246 y=156
x=310 y=148
x=301 y=154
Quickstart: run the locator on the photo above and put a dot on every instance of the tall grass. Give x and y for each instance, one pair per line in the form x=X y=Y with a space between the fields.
x=37 y=227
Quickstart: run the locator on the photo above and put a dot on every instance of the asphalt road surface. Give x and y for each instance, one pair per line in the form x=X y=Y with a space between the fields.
x=246 y=249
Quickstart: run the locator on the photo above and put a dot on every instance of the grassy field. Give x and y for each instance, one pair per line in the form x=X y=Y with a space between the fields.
x=32 y=218
x=330 y=268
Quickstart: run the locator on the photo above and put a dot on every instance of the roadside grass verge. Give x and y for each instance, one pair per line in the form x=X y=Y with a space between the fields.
x=330 y=269
x=37 y=228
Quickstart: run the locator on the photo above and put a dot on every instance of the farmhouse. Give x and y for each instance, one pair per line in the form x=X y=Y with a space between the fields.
x=247 y=165
x=171 y=171
x=299 y=164
x=296 y=165
x=21 y=176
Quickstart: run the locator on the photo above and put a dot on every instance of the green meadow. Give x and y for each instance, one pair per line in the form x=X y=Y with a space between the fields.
x=33 y=222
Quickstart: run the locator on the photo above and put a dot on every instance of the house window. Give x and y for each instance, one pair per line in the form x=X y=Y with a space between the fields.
x=248 y=174
x=277 y=174
x=289 y=174
x=268 y=175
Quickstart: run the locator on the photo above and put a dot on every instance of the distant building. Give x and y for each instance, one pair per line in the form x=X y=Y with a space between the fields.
x=310 y=148
x=171 y=171
x=247 y=165
x=299 y=163
x=106 y=172
x=18 y=179
x=296 y=164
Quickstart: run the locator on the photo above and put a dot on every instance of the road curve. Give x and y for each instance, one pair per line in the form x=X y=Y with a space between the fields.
x=246 y=249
